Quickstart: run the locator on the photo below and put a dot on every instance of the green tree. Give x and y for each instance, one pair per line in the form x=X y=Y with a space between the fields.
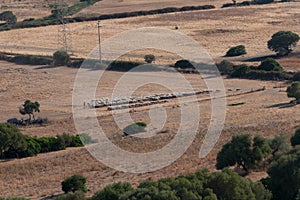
x=242 y=152
x=295 y=139
x=74 y=183
x=8 y=17
x=278 y=145
x=28 y=108
x=60 y=58
x=294 y=90
x=10 y=138
x=270 y=64
x=184 y=64
x=112 y=192
x=240 y=71
x=283 y=42
x=284 y=175
x=225 y=67
x=78 y=195
x=263 y=1
x=149 y=58
x=236 y=51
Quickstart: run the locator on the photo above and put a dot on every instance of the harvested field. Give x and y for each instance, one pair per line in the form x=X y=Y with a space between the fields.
x=39 y=176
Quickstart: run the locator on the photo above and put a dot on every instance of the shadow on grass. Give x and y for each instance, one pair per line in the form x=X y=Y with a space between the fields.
x=282 y=105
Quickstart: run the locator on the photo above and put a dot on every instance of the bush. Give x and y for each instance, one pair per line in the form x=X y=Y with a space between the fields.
x=134 y=128
x=295 y=139
x=149 y=58
x=78 y=195
x=263 y=1
x=236 y=51
x=283 y=42
x=61 y=58
x=184 y=64
x=270 y=64
x=294 y=90
x=112 y=192
x=225 y=67
x=240 y=71
x=8 y=17
x=296 y=76
x=31 y=60
x=74 y=183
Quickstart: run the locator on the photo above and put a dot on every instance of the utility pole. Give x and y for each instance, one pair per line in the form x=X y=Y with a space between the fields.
x=99 y=41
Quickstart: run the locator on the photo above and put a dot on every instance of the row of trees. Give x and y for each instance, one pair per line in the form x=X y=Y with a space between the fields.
x=13 y=144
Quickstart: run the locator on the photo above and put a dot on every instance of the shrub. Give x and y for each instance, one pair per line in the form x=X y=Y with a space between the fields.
x=283 y=42
x=225 y=67
x=296 y=76
x=184 y=64
x=61 y=58
x=270 y=64
x=78 y=195
x=8 y=17
x=236 y=51
x=74 y=183
x=31 y=60
x=149 y=58
x=112 y=192
x=134 y=128
x=263 y=1
x=240 y=71
x=294 y=90
x=295 y=139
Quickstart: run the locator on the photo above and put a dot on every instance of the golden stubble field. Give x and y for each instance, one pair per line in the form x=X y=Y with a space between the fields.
x=216 y=30
x=39 y=176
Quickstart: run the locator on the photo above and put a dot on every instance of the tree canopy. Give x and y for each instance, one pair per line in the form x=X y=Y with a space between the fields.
x=243 y=152
x=294 y=90
x=28 y=108
x=283 y=42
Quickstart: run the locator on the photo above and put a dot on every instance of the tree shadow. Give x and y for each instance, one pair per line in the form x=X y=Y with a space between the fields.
x=282 y=105
x=261 y=58
x=45 y=67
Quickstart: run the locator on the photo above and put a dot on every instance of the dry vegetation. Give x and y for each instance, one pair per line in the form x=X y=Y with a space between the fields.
x=25 y=9
x=216 y=30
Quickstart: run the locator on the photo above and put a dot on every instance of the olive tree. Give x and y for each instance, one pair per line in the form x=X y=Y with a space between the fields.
x=28 y=108
x=283 y=42
x=294 y=90
x=241 y=151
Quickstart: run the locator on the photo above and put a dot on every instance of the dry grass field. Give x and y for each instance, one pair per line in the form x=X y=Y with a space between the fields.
x=118 y=6
x=216 y=30
x=26 y=9
x=40 y=176
x=251 y=26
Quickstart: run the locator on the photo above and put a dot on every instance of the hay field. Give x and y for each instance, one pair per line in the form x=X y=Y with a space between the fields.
x=216 y=30
x=119 y=6
x=26 y=9
x=40 y=176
